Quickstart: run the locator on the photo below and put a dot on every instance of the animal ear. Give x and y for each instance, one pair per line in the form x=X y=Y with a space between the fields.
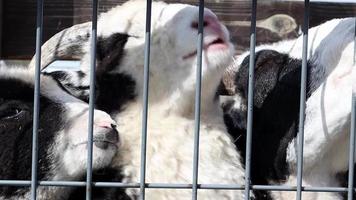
x=75 y=83
x=268 y=64
x=110 y=51
x=267 y=58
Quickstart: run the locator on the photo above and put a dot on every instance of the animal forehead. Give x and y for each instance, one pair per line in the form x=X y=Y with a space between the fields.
x=175 y=13
x=131 y=17
x=163 y=14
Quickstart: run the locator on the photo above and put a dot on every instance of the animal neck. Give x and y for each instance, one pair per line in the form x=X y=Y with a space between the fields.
x=327 y=56
x=181 y=100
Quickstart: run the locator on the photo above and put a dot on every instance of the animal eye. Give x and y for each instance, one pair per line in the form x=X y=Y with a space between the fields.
x=10 y=112
x=13 y=109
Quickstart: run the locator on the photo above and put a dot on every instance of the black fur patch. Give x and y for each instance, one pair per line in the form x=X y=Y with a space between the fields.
x=109 y=52
x=113 y=90
x=276 y=114
x=102 y=193
x=16 y=111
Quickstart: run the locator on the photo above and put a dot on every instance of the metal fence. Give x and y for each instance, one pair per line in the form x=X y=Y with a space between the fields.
x=195 y=186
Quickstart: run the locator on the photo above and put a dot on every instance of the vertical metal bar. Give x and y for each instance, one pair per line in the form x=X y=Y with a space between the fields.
x=355 y=44
x=1 y=22
x=145 y=99
x=251 y=77
x=198 y=100
x=91 y=100
x=36 y=106
x=302 y=100
x=352 y=149
x=352 y=135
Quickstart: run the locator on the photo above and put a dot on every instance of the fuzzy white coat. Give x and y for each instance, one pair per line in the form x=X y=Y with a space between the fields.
x=172 y=83
x=327 y=115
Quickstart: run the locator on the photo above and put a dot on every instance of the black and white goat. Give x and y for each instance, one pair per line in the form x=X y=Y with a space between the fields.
x=62 y=136
x=276 y=108
x=120 y=61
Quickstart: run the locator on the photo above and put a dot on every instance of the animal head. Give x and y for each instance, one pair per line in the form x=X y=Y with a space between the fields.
x=121 y=49
x=62 y=135
x=173 y=49
x=72 y=141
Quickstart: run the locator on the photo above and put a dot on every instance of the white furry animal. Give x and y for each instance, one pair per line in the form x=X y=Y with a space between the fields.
x=120 y=59
x=328 y=107
x=62 y=137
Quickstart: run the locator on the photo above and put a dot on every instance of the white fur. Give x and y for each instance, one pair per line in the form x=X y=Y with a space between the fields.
x=171 y=101
x=327 y=121
x=326 y=42
x=289 y=195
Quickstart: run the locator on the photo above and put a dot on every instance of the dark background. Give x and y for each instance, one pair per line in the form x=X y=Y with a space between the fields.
x=18 y=19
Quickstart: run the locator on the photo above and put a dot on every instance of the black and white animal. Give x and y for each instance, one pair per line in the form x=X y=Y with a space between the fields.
x=62 y=136
x=173 y=62
x=276 y=109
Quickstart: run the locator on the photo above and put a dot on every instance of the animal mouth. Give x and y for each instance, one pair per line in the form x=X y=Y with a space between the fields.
x=217 y=41
x=101 y=144
x=216 y=44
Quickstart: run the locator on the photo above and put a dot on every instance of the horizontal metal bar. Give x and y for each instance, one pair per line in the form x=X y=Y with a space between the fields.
x=174 y=186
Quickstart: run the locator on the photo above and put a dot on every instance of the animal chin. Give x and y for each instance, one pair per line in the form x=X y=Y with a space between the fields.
x=217 y=44
x=103 y=144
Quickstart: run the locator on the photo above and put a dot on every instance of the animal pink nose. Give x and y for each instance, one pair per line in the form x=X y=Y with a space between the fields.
x=107 y=124
x=210 y=23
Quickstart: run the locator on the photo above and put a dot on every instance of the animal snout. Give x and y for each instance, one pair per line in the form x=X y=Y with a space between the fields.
x=210 y=23
x=108 y=137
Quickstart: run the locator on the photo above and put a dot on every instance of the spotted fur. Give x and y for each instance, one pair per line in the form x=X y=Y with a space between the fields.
x=276 y=108
x=62 y=136
x=120 y=67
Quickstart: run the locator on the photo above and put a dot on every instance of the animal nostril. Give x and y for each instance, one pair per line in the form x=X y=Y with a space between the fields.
x=205 y=23
x=195 y=24
x=114 y=126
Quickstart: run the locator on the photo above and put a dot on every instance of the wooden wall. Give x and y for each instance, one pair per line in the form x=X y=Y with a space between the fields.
x=19 y=18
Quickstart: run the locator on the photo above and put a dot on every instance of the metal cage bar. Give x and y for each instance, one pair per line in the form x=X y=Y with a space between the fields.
x=145 y=99
x=302 y=100
x=251 y=77
x=174 y=186
x=91 y=100
x=355 y=44
x=36 y=106
x=198 y=100
x=352 y=149
x=352 y=135
x=142 y=185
